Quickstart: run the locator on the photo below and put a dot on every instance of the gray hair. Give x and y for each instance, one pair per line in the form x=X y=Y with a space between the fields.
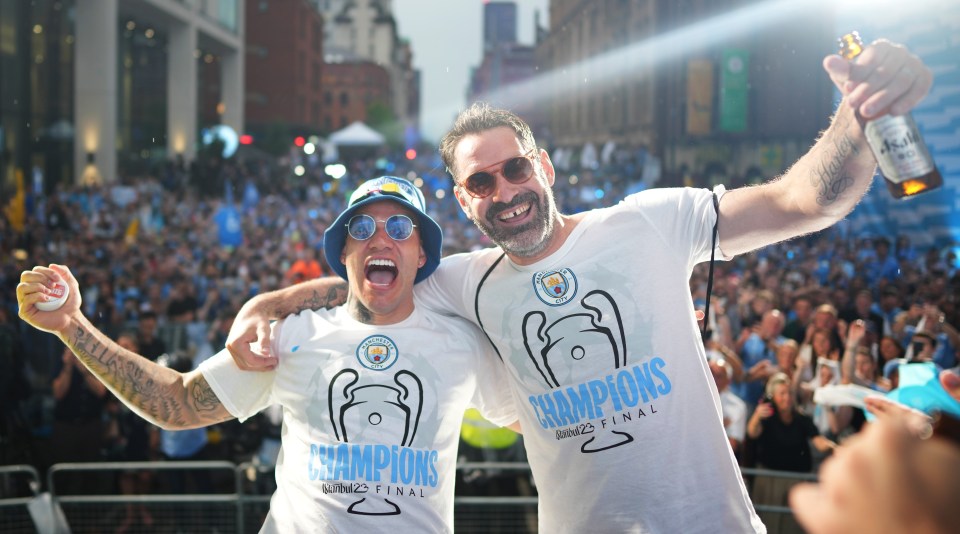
x=776 y=380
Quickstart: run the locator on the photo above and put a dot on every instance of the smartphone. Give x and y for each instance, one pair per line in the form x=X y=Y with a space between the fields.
x=769 y=400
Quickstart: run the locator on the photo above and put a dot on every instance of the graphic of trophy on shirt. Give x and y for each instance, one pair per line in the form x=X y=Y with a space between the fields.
x=375 y=413
x=578 y=346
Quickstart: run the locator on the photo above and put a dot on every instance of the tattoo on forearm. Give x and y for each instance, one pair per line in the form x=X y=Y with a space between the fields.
x=315 y=302
x=204 y=399
x=133 y=380
x=335 y=296
x=831 y=177
x=169 y=409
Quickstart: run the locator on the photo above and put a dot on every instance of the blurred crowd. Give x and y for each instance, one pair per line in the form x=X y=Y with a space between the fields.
x=165 y=260
x=815 y=312
x=822 y=310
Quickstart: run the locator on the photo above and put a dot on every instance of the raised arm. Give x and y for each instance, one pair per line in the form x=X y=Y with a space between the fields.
x=249 y=337
x=166 y=398
x=828 y=181
x=855 y=334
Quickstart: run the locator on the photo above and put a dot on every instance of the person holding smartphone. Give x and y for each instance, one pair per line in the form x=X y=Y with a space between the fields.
x=783 y=437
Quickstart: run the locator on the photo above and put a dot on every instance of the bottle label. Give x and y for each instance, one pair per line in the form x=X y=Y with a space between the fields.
x=898 y=147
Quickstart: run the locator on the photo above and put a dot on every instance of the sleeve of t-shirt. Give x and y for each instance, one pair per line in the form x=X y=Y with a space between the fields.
x=443 y=291
x=685 y=218
x=242 y=393
x=493 y=396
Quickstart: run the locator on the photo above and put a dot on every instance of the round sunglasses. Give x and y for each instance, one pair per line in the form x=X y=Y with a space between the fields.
x=515 y=170
x=362 y=227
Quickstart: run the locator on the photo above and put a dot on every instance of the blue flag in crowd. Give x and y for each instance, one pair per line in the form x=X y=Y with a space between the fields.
x=251 y=196
x=227 y=220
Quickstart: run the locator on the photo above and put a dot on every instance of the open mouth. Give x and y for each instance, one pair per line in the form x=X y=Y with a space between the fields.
x=516 y=214
x=381 y=272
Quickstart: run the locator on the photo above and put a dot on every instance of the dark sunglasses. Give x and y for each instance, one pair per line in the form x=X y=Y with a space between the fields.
x=362 y=227
x=516 y=170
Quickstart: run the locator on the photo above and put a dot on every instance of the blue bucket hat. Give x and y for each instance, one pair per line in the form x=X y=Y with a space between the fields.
x=385 y=188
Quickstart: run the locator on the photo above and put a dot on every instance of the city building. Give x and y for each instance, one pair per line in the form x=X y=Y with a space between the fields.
x=505 y=63
x=352 y=90
x=366 y=31
x=285 y=71
x=706 y=106
x=499 y=23
x=90 y=88
x=502 y=66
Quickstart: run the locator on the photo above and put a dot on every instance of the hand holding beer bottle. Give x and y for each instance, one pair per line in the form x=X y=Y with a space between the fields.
x=903 y=157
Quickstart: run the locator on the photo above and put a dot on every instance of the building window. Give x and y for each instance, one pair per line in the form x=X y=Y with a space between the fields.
x=343 y=122
x=258 y=51
x=344 y=99
x=328 y=98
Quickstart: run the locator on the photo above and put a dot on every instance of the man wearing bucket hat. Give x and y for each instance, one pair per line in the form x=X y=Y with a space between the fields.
x=400 y=191
x=373 y=392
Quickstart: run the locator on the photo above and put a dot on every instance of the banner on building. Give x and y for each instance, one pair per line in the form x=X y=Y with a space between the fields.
x=699 y=96
x=734 y=87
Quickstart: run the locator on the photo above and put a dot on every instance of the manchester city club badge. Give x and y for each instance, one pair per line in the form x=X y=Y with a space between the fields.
x=556 y=287
x=377 y=353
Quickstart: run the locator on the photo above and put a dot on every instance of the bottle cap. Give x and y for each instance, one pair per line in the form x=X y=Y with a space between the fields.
x=57 y=296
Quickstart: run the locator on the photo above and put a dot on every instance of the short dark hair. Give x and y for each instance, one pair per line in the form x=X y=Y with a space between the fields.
x=925 y=335
x=130 y=334
x=480 y=117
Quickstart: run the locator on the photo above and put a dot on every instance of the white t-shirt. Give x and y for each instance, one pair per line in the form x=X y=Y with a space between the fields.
x=621 y=418
x=734 y=410
x=371 y=417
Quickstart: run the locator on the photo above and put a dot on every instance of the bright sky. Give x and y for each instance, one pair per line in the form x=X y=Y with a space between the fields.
x=447 y=40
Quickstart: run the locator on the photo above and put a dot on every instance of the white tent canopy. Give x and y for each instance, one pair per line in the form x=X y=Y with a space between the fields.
x=357 y=134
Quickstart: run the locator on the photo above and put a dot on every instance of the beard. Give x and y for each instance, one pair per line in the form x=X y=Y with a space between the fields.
x=529 y=239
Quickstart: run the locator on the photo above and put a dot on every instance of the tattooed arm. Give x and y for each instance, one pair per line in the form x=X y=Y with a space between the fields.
x=249 y=338
x=828 y=181
x=166 y=398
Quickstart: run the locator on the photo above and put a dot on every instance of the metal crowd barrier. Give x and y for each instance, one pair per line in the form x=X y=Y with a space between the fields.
x=209 y=499
x=775 y=508
x=238 y=497
x=500 y=497
x=19 y=486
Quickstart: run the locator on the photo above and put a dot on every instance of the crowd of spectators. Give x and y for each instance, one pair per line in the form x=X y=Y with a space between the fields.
x=817 y=311
x=165 y=260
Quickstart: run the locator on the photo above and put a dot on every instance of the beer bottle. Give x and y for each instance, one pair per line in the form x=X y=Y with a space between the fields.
x=905 y=163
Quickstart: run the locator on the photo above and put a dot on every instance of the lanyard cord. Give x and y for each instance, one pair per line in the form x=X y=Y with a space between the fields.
x=713 y=248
